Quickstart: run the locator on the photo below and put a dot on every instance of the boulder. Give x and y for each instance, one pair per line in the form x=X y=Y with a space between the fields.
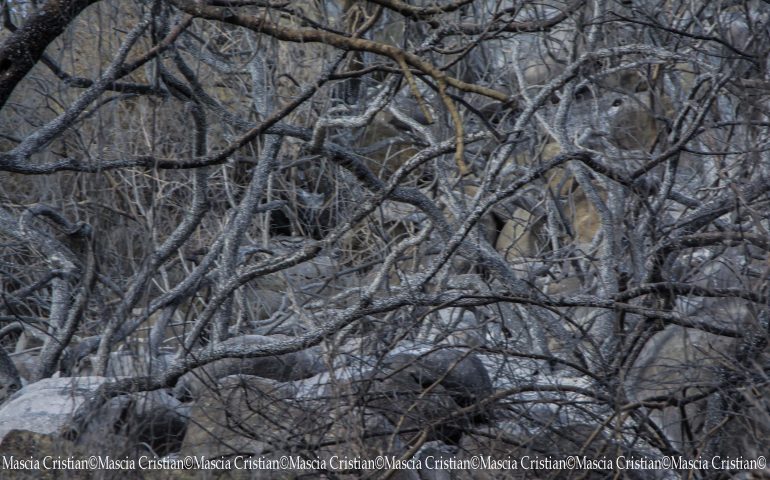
x=456 y=326
x=47 y=406
x=414 y=409
x=254 y=416
x=245 y=414
x=460 y=372
x=26 y=363
x=681 y=362
x=136 y=423
x=10 y=381
x=124 y=424
x=127 y=363
x=421 y=395
x=291 y=366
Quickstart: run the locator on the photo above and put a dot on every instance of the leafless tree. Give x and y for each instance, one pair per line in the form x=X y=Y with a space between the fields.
x=389 y=201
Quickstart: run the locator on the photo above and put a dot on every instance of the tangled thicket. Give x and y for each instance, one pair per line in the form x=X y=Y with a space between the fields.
x=391 y=226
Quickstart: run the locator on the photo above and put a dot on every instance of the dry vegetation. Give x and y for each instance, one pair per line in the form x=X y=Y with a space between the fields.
x=327 y=227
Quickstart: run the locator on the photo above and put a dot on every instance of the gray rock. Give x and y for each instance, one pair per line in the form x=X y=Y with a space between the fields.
x=152 y=420
x=239 y=417
x=460 y=372
x=122 y=424
x=125 y=363
x=679 y=362
x=422 y=394
x=259 y=417
x=413 y=408
x=291 y=366
x=47 y=406
x=457 y=326
x=10 y=381
x=26 y=364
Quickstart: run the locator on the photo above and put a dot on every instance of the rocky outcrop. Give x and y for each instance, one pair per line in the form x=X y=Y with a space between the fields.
x=10 y=381
x=291 y=366
x=47 y=406
x=140 y=423
x=460 y=372
x=147 y=422
x=241 y=418
x=408 y=400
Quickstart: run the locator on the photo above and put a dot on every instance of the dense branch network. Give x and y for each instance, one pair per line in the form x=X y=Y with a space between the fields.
x=563 y=191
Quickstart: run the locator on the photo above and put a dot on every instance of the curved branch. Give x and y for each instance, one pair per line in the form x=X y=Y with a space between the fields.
x=24 y=47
